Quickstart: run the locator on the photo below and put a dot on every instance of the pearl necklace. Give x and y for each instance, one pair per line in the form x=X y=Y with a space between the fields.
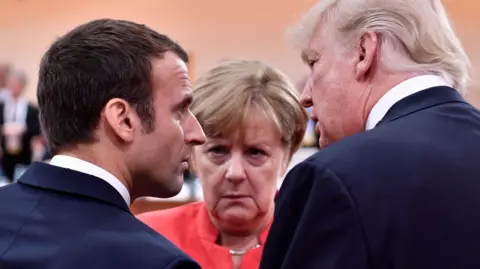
x=242 y=252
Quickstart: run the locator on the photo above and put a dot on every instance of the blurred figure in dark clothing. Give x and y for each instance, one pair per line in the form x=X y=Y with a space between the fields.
x=20 y=126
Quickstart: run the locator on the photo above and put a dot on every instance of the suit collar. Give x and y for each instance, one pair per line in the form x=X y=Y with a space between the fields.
x=82 y=166
x=50 y=177
x=422 y=100
x=400 y=91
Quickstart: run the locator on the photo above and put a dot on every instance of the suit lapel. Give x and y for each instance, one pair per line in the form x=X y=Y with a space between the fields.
x=421 y=100
x=50 y=177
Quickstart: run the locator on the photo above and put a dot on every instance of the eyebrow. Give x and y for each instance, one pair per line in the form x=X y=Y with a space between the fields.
x=308 y=54
x=186 y=101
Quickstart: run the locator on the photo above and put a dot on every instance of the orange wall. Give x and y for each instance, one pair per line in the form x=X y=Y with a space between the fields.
x=223 y=29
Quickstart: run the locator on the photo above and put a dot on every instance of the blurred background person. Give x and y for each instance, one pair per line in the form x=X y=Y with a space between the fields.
x=20 y=136
x=254 y=123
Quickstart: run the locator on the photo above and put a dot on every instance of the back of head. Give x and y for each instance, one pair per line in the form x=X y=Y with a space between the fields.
x=227 y=94
x=90 y=65
x=416 y=36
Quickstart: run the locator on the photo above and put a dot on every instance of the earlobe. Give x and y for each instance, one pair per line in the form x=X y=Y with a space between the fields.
x=366 y=53
x=118 y=115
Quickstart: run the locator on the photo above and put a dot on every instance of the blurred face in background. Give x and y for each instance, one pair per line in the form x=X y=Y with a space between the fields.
x=239 y=174
x=16 y=85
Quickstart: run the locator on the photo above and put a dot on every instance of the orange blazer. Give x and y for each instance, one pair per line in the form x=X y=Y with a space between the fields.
x=190 y=228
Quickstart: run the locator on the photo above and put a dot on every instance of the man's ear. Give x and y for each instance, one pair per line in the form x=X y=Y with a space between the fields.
x=365 y=52
x=120 y=117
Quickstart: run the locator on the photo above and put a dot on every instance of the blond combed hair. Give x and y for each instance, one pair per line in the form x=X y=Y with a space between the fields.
x=227 y=94
x=415 y=35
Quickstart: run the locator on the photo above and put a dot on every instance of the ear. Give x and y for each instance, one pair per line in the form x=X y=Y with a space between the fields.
x=121 y=118
x=366 y=51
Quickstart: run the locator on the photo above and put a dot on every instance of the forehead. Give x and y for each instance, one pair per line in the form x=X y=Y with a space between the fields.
x=316 y=44
x=170 y=75
x=254 y=129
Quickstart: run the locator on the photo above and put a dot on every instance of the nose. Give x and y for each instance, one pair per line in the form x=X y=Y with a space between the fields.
x=193 y=132
x=236 y=169
x=306 y=97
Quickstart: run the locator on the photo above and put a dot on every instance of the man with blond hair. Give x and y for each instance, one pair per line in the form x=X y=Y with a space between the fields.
x=396 y=184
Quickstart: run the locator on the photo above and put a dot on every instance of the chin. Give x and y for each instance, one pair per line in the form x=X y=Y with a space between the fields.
x=164 y=187
x=237 y=216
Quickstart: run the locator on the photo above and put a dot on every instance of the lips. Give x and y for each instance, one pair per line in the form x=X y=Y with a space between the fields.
x=235 y=196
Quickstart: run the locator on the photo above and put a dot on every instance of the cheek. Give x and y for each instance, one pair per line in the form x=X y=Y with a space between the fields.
x=264 y=186
x=211 y=177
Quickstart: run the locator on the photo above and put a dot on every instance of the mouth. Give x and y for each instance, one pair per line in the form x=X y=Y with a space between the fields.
x=317 y=129
x=184 y=164
x=235 y=196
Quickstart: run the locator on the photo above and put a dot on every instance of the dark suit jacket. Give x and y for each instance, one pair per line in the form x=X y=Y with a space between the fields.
x=58 y=218
x=405 y=195
x=33 y=129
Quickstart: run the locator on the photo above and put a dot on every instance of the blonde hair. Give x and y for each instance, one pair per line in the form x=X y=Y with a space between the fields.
x=415 y=35
x=224 y=97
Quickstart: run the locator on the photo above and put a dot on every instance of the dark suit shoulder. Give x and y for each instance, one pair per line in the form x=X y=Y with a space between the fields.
x=130 y=252
x=79 y=233
x=136 y=246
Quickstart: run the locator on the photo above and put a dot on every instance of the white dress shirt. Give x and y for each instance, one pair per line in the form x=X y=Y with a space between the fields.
x=91 y=169
x=15 y=111
x=397 y=93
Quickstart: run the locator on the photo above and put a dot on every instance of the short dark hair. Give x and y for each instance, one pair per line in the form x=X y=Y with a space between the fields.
x=88 y=66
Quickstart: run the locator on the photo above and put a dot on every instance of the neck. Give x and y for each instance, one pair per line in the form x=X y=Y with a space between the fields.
x=238 y=242
x=380 y=86
x=96 y=155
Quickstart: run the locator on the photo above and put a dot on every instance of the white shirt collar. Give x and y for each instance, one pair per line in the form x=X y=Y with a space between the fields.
x=91 y=169
x=397 y=93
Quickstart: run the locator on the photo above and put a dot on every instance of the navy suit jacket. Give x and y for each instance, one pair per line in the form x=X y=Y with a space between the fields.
x=404 y=195
x=58 y=218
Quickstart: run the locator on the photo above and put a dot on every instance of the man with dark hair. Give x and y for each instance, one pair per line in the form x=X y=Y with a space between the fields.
x=114 y=107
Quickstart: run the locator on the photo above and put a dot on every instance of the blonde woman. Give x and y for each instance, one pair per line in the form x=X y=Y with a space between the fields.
x=254 y=123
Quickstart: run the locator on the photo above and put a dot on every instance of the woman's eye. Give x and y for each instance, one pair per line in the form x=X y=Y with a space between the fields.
x=217 y=150
x=255 y=152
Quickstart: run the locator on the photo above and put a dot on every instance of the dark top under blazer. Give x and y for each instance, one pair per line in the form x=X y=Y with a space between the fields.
x=404 y=195
x=56 y=218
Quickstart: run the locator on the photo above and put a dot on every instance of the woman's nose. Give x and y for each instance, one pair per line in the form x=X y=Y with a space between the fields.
x=236 y=170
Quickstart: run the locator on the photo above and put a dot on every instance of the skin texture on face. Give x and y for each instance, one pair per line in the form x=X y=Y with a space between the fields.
x=239 y=175
x=339 y=89
x=157 y=160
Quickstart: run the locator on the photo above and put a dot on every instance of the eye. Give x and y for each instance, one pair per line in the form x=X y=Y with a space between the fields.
x=182 y=112
x=217 y=150
x=256 y=152
x=311 y=63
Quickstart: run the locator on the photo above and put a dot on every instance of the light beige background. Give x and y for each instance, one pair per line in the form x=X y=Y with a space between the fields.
x=213 y=30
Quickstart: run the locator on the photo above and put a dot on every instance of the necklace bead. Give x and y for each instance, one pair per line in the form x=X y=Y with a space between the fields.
x=243 y=251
